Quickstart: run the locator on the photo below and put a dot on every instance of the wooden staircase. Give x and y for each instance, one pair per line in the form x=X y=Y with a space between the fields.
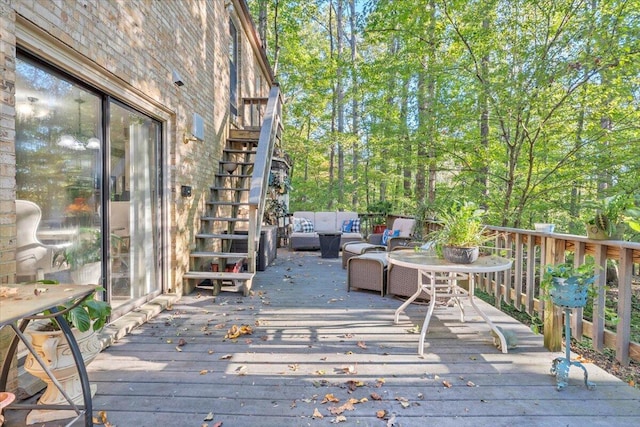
x=221 y=260
x=226 y=247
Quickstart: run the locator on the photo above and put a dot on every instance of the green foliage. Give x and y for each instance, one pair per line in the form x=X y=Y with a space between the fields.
x=461 y=226
x=85 y=248
x=584 y=275
x=90 y=311
x=559 y=103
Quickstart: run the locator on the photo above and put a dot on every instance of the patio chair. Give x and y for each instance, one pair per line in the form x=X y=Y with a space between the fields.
x=33 y=258
x=401 y=236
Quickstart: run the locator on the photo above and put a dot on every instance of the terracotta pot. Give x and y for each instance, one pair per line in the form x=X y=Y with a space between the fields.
x=459 y=255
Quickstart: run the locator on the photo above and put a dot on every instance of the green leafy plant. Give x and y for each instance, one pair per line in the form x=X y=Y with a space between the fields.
x=614 y=210
x=461 y=226
x=85 y=248
x=90 y=313
x=583 y=275
x=381 y=207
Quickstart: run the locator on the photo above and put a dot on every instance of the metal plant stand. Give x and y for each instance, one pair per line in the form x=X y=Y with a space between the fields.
x=568 y=296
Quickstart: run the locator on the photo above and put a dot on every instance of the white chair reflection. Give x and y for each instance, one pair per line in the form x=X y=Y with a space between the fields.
x=33 y=258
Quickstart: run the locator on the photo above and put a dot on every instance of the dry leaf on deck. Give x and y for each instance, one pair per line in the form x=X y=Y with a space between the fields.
x=381 y=413
x=204 y=372
x=209 y=416
x=317 y=414
x=340 y=419
x=329 y=397
x=226 y=357
x=446 y=383
x=362 y=344
x=181 y=342
x=376 y=396
x=235 y=331
x=351 y=369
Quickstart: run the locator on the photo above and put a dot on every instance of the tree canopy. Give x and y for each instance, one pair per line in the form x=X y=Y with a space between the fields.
x=529 y=108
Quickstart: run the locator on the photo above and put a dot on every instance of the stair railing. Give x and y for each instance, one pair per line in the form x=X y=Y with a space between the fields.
x=270 y=132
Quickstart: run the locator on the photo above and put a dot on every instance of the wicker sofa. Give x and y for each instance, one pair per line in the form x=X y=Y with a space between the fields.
x=305 y=236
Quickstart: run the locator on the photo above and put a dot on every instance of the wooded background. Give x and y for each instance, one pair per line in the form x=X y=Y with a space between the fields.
x=528 y=108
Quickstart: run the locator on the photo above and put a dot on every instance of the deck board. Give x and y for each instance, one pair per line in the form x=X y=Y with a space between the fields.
x=304 y=345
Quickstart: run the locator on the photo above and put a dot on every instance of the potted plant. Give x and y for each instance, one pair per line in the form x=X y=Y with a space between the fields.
x=568 y=286
x=609 y=215
x=461 y=234
x=83 y=256
x=85 y=320
x=381 y=209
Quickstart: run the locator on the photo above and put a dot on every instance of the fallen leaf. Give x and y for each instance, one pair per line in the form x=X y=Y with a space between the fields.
x=209 y=417
x=340 y=419
x=181 y=342
x=470 y=384
x=241 y=370
x=329 y=397
x=204 y=372
x=446 y=383
x=381 y=413
x=351 y=369
x=178 y=349
x=317 y=414
x=362 y=344
x=226 y=357
x=235 y=331
x=375 y=396
x=414 y=330
x=319 y=372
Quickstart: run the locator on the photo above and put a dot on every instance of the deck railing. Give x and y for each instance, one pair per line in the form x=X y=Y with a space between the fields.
x=531 y=251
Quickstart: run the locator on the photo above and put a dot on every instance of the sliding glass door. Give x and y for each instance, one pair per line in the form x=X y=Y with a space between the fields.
x=133 y=219
x=87 y=174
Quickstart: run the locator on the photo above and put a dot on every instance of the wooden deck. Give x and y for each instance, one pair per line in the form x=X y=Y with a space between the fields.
x=312 y=342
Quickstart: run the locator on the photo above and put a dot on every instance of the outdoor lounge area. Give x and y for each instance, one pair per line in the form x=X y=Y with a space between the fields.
x=317 y=353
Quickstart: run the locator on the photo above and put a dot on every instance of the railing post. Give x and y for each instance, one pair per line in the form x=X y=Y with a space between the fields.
x=623 y=335
x=553 y=315
x=597 y=334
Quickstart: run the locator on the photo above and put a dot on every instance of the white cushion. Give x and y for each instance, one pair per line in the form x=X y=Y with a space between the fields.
x=405 y=225
x=326 y=222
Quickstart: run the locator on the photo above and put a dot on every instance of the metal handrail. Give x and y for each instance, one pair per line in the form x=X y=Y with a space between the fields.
x=270 y=132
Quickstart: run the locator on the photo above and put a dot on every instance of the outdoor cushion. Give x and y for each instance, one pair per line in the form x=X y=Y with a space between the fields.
x=307 y=225
x=389 y=233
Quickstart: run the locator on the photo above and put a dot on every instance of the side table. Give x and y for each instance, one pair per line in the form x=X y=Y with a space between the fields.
x=24 y=305
x=329 y=244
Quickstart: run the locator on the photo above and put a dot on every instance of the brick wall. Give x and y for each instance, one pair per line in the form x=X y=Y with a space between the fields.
x=133 y=47
x=129 y=49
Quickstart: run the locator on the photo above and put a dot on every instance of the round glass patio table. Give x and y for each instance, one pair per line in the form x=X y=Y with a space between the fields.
x=439 y=278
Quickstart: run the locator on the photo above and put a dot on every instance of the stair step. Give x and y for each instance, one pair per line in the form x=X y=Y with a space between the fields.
x=238 y=151
x=227 y=255
x=224 y=162
x=231 y=175
x=221 y=218
x=222 y=236
x=229 y=189
x=244 y=135
x=224 y=203
x=232 y=282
